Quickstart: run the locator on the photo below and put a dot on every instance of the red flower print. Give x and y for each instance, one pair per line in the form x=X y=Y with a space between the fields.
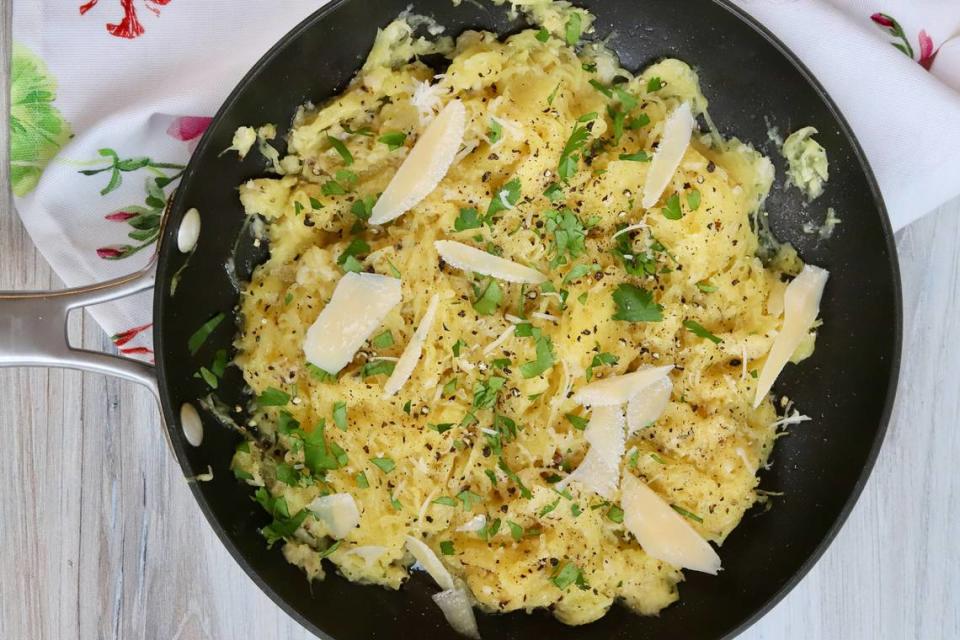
x=120 y=216
x=883 y=20
x=124 y=337
x=189 y=129
x=891 y=26
x=129 y=27
x=927 y=54
x=111 y=253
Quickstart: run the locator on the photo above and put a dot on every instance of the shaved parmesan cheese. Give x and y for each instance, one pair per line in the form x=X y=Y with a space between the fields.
x=425 y=165
x=411 y=353
x=359 y=304
x=663 y=533
x=458 y=610
x=619 y=389
x=430 y=562
x=338 y=512
x=648 y=404
x=476 y=523
x=677 y=130
x=600 y=468
x=801 y=304
x=490 y=348
x=369 y=553
x=465 y=257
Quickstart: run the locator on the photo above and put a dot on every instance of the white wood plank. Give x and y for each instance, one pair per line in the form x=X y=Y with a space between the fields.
x=101 y=538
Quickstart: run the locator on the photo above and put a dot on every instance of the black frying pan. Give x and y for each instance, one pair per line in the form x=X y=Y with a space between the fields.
x=847 y=387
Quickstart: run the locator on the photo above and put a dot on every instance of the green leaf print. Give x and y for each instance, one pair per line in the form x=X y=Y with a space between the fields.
x=37 y=130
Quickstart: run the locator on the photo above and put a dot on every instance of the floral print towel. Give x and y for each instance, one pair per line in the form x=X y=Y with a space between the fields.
x=109 y=97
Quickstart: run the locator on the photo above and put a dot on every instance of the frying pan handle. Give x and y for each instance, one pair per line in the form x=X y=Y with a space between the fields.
x=33 y=329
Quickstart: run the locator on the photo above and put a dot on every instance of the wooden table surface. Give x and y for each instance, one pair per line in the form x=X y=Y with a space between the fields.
x=100 y=537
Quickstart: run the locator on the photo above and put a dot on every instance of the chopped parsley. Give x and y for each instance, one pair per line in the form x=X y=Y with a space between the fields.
x=488 y=299
x=693 y=199
x=570 y=156
x=469 y=499
x=654 y=84
x=516 y=531
x=569 y=235
x=672 y=211
x=297 y=208
x=524 y=491
x=600 y=359
x=545 y=357
x=626 y=99
x=494 y=131
x=596 y=84
x=578 y=422
x=543 y=35
x=443 y=427
x=457 y=346
x=200 y=335
x=376 y=368
x=341 y=149
x=362 y=481
x=319 y=374
x=446 y=547
x=635 y=304
x=393 y=139
x=318 y=456
x=549 y=507
x=554 y=192
x=273 y=397
x=283 y=525
x=363 y=207
x=468 y=218
x=485 y=392
x=383 y=340
x=638 y=122
x=615 y=514
x=208 y=377
x=706 y=286
x=329 y=550
x=506 y=198
x=315 y=204
x=580 y=270
x=490 y=529
x=287 y=474
x=553 y=94
x=340 y=415
x=449 y=388
x=567 y=574
x=446 y=501
x=332 y=188
x=286 y=424
x=639 y=156
x=698 y=329
x=572 y=30
x=384 y=464
x=348 y=259
x=687 y=514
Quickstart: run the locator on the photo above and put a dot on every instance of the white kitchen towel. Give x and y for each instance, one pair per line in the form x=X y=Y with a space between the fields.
x=108 y=98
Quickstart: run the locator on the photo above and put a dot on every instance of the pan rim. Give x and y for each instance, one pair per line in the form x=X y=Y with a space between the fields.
x=776 y=596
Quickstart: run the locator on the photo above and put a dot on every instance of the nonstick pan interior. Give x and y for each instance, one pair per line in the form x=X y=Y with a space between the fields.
x=846 y=387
